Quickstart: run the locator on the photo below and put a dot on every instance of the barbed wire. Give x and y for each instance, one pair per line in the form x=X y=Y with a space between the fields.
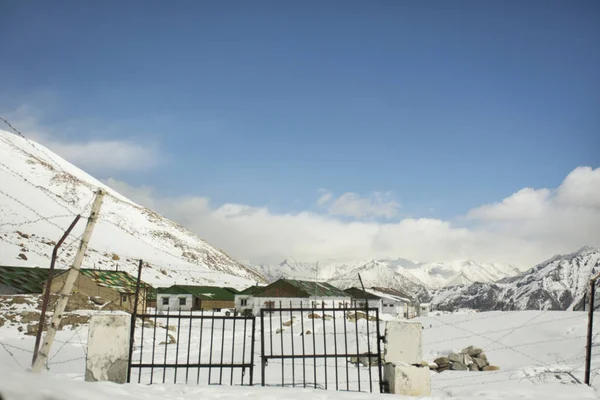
x=11 y=354
x=31 y=143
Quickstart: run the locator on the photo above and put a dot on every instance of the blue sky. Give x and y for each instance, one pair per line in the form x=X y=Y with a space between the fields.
x=443 y=106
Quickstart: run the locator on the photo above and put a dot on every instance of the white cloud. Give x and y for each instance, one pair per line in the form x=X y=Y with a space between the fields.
x=94 y=154
x=106 y=155
x=526 y=203
x=525 y=228
x=325 y=198
x=353 y=205
x=581 y=188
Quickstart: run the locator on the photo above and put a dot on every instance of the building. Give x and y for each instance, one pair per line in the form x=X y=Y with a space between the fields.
x=117 y=287
x=289 y=293
x=189 y=298
x=361 y=299
x=242 y=298
x=395 y=302
x=22 y=280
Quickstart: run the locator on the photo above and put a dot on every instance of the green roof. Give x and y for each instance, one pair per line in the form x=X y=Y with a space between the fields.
x=252 y=290
x=118 y=280
x=203 y=292
x=301 y=289
x=360 y=294
x=23 y=279
x=318 y=289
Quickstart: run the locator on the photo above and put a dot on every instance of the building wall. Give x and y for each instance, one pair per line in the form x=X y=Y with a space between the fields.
x=191 y=303
x=239 y=304
x=88 y=287
x=372 y=303
x=174 y=302
x=209 y=305
x=256 y=303
x=5 y=289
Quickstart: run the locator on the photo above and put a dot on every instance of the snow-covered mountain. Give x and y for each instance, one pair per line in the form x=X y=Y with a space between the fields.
x=415 y=279
x=559 y=283
x=40 y=193
x=464 y=272
x=381 y=273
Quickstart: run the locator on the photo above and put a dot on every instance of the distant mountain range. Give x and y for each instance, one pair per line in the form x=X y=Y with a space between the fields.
x=415 y=279
x=556 y=284
x=559 y=283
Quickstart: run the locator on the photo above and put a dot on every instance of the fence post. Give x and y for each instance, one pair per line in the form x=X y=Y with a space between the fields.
x=403 y=355
x=108 y=348
x=590 y=329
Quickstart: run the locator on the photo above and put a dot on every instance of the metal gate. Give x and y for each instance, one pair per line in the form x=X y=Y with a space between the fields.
x=198 y=346
x=339 y=347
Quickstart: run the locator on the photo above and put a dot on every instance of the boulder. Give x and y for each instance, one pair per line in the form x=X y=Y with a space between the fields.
x=458 y=366
x=441 y=361
x=480 y=362
x=454 y=357
x=484 y=358
x=473 y=367
x=472 y=351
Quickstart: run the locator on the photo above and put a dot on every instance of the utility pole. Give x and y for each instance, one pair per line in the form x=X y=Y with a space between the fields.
x=68 y=286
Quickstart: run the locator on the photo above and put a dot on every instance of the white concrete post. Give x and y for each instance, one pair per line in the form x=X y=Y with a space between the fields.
x=108 y=348
x=403 y=356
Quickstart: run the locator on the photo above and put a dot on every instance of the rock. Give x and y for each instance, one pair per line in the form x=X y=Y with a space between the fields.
x=288 y=323
x=22 y=256
x=23 y=235
x=491 y=368
x=453 y=357
x=115 y=257
x=308 y=332
x=466 y=359
x=472 y=351
x=458 y=366
x=29 y=316
x=442 y=369
x=480 y=362
x=279 y=330
x=483 y=357
x=313 y=316
x=424 y=364
x=473 y=367
x=434 y=367
x=171 y=340
x=327 y=317
x=441 y=361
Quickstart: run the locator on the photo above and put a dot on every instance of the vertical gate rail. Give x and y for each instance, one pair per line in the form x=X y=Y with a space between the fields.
x=365 y=350
x=168 y=353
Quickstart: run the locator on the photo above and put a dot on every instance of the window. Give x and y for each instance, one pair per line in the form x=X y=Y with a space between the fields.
x=270 y=304
x=123 y=298
x=165 y=301
x=182 y=301
x=244 y=302
x=341 y=305
x=197 y=302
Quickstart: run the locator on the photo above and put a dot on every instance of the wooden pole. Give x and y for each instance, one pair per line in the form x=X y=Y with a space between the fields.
x=68 y=286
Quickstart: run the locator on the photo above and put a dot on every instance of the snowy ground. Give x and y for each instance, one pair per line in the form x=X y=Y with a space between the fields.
x=541 y=355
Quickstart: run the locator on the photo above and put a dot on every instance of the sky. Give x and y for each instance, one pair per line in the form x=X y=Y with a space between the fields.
x=448 y=119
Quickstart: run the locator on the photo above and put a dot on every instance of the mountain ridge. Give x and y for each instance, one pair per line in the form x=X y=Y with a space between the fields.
x=46 y=192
